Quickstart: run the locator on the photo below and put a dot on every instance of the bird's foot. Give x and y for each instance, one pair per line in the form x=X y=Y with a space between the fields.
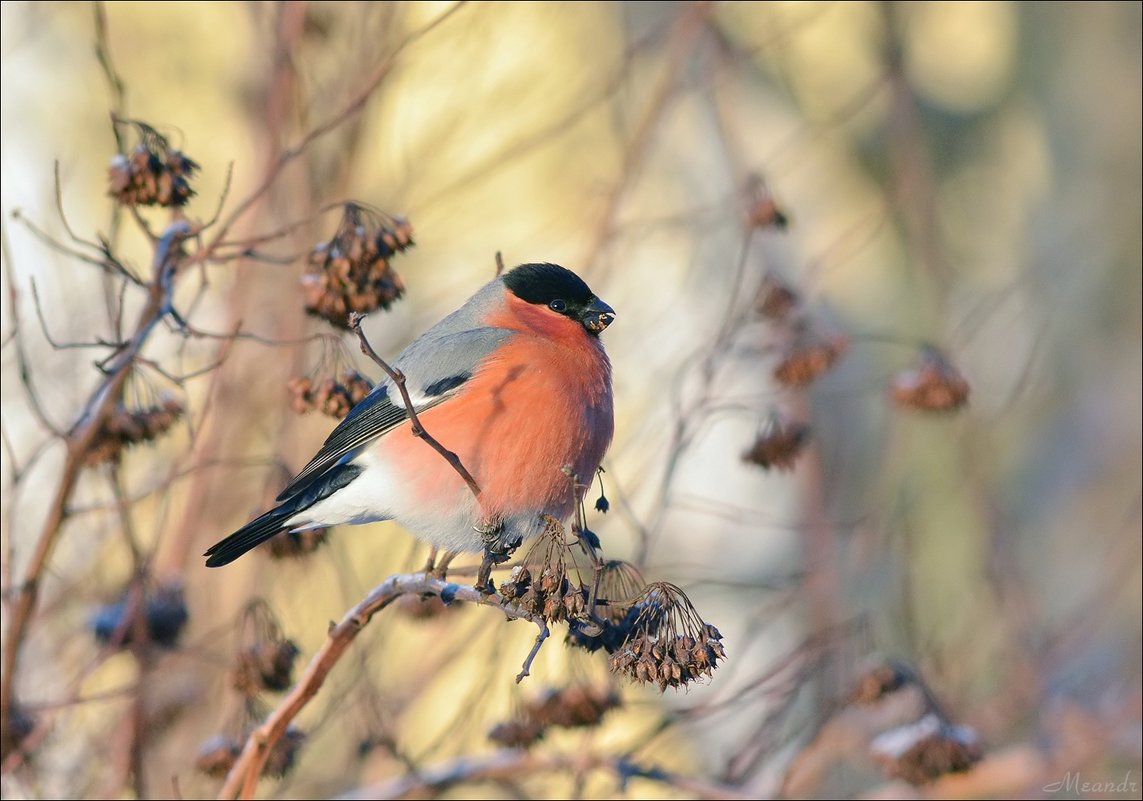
x=440 y=569
x=496 y=551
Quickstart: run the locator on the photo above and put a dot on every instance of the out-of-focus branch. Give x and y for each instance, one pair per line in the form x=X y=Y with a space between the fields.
x=354 y=106
x=243 y=776
x=514 y=764
x=79 y=440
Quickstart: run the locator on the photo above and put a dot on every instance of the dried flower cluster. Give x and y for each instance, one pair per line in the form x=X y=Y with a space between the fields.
x=126 y=427
x=516 y=733
x=620 y=587
x=352 y=271
x=19 y=726
x=576 y=706
x=761 y=209
x=933 y=385
x=265 y=659
x=807 y=358
x=334 y=397
x=667 y=642
x=877 y=681
x=292 y=544
x=265 y=666
x=540 y=584
x=165 y=616
x=152 y=174
x=776 y=300
x=217 y=754
x=922 y=751
x=778 y=444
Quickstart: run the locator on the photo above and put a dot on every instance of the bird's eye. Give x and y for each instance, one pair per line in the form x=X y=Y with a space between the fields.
x=558 y=305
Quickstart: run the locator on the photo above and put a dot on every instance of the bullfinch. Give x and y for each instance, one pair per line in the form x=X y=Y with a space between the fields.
x=515 y=382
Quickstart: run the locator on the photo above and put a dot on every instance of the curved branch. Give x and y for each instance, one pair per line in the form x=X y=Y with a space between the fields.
x=244 y=775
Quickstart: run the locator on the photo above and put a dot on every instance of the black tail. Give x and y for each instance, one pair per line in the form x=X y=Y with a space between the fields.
x=267 y=525
x=249 y=536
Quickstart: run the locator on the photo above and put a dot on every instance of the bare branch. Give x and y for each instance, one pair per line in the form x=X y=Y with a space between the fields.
x=418 y=430
x=243 y=776
x=514 y=763
x=79 y=439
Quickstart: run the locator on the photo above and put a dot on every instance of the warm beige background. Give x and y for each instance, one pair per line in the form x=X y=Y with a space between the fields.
x=985 y=197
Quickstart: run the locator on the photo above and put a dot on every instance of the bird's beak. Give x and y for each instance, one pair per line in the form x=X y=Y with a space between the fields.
x=597 y=316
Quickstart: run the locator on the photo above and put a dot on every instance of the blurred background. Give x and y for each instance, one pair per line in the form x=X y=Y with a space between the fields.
x=786 y=203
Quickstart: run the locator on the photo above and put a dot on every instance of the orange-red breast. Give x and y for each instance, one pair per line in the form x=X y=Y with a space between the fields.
x=515 y=382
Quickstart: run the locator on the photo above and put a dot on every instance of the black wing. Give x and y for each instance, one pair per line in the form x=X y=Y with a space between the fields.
x=371 y=418
x=436 y=366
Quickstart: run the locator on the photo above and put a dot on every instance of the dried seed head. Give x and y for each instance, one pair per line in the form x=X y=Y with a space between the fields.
x=933 y=385
x=776 y=300
x=877 y=681
x=164 y=609
x=292 y=544
x=284 y=753
x=540 y=585
x=334 y=397
x=152 y=174
x=922 y=751
x=762 y=210
x=573 y=707
x=808 y=358
x=352 y=271
x=125 y=427
x=778 y=444
x=667 y=643
x=19 y=725
x=265 y=659
x=620 y=584
x=267 y=665
x=217 y=755
x=516 y=733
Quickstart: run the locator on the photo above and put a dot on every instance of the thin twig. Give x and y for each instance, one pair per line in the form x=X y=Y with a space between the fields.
x=418 y=430
x=243 y=776
x=526 y=668
x=514 y=763
x=79 y=440
x=353 y=107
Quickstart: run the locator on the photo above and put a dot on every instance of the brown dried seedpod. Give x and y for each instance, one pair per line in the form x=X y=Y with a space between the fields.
x=217 y=755
x=352 y=271
x=573 y=707
x=20 y=725
x=334 y=397
x=761 y=209
x=152 y=174
x=620 y=584
x=922 y=751
x=807 y=358
x=667 y=643
x=776 y=300
x=292 y=544
x=265 y=659
x=877 y=681
x=164 y=611
x=778 y=444
x=516 y=733
x=125 y=427
x=933 y=385
x=284 y=753
x=266 y=665
x=540 y=585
